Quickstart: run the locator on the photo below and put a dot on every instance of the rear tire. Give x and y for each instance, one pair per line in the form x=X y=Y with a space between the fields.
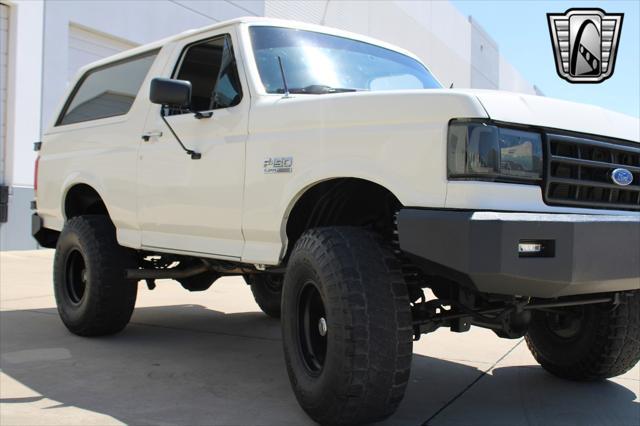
x=92 y=294
x=267 y=292
x=600 y=340
x=346 y=325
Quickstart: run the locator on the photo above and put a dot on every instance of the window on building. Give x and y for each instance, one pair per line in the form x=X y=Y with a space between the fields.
x=210 y=66
x=107 y=91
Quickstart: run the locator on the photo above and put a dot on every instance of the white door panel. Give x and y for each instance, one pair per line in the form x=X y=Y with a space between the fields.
x=194 y=205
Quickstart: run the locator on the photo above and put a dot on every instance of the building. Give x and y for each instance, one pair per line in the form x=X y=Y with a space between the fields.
x=43 y=43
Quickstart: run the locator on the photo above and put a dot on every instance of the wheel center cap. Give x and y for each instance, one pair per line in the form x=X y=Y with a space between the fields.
x=322 y=327
x=83 y=276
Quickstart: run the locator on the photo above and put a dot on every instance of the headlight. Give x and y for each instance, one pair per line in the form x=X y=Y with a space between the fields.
x=484 y=151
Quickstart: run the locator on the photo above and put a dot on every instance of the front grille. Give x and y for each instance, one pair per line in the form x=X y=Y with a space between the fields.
x=578 y=173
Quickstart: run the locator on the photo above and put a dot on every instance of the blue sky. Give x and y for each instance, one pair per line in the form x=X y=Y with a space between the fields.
x=520 y=28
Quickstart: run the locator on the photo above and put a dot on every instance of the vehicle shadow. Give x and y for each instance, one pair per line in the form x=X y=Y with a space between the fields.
x=189 y=365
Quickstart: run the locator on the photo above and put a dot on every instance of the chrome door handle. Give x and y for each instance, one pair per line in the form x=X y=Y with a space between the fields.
x=148 y=135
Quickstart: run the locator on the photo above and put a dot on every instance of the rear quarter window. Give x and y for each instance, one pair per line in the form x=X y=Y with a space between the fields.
x=107 y=91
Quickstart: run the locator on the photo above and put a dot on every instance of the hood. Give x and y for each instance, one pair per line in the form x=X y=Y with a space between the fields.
x=554 y=113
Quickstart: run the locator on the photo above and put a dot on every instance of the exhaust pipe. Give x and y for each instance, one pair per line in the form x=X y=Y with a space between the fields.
x=160 y=274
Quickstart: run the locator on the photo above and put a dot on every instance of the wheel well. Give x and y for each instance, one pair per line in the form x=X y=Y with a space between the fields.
x=343 y=202
x=82 y=199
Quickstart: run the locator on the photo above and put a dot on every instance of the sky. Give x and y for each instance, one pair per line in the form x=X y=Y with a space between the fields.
x=520 y=28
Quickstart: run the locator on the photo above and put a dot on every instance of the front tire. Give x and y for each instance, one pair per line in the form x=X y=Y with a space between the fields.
x=346 y=325
x=592 y=342
x=92 y=294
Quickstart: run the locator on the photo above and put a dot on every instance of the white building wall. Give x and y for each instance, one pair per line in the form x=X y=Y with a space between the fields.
x=512 y=81
x=451 y=45
x=25 y=85
x=4 y=64
x=485 y=58
x=24 y=77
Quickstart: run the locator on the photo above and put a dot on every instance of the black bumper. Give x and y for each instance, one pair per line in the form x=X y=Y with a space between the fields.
x=582 y=253
x=44 y=236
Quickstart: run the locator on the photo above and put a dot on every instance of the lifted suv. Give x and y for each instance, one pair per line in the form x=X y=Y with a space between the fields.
x=335 y=174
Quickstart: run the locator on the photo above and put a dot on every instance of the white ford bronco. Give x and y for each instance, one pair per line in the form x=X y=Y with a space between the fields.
x=336 y=175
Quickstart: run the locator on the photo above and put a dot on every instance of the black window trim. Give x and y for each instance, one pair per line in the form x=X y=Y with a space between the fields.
x=82 y=79
x=183 y=52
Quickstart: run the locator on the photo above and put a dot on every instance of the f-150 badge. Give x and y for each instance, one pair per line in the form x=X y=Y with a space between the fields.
x=585 y=43
x=278 y=165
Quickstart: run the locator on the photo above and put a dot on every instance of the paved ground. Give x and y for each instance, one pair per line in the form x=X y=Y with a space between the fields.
x=213 y=358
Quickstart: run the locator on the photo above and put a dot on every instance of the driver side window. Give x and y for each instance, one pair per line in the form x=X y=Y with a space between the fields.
x=210 y=66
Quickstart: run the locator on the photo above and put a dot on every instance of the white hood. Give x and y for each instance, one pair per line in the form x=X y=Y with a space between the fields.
x=554 y=113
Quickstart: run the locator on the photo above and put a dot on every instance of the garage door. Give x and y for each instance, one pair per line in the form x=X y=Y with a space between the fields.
x=86 y=46
x=4 y=54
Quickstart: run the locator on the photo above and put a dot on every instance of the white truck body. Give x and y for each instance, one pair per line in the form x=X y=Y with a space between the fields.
x=225 y=206
x=340 y=202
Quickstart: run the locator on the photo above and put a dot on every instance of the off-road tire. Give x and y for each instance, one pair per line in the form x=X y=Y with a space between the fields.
x=267 y=292
x=368 y=326
x=606 y=345
x=107 y=299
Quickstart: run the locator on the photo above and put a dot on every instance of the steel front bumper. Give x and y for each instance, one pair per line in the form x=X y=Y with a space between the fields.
x=582 y=253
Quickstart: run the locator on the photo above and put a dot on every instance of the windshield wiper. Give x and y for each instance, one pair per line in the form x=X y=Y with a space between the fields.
x=319 y=89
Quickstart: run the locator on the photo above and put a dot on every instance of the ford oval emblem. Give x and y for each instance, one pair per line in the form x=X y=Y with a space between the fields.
x=622 y=177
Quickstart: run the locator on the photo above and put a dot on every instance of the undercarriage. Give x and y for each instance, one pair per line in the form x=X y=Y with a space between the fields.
x=451 y=305
x=507 y=317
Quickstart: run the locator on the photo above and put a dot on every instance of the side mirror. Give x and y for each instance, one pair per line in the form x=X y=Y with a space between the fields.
x=173 y=93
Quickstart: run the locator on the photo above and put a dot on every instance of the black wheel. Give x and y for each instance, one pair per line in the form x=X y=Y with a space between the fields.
x=346 y=325
x=267 y=292
x=590 y=342
x=92 y=294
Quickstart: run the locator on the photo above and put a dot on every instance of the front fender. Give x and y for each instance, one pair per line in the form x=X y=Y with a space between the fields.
x=396 y=140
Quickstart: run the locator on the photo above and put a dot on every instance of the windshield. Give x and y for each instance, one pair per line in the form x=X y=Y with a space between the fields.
x=318 y=63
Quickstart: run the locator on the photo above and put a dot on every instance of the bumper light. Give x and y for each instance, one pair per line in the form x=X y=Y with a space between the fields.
x=536 y=248
x=529 y=248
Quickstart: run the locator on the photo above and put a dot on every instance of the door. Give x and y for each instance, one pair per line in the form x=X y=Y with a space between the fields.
x=193 y=206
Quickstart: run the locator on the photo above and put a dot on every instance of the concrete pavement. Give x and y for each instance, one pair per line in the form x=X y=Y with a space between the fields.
x=214 y=358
